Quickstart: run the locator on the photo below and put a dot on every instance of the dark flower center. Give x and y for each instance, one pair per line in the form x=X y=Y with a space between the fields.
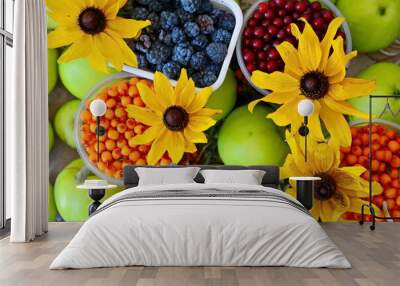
x=176 y=118
x=325 y=188
x=92 y=20
x=314 y=85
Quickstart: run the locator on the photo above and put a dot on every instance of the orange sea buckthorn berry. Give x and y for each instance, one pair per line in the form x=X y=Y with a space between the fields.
x=380 y=155
x=130 y=123
x=356 y=142
x=390 y=193
x=86 y=115
x=395 y=163
x=133 y=91
x=101 y=166
x=382 y=167
x=391 y=204
x=109 y=172
x=138 y=129
x=363 y=161
x=126 y=100
x=134 y=156
x=394 y=173
x=93 y=127
x=109 y=114
x=351 y=159
x=375 y=146
x=165 y=161
x=116 y=153
x=117 y=164
x=128 y=135
x=121 y=143
x=375 y=137
x=101 y=147
x=366 y=151
x=356 y=150
x=375 y=178
x=388 y=156
x=144 y=149
x=121 y=127
x=398 y=202
x=119 y=112
x=395 y=183
x=106 y=156
x=131 y=142
x=354 y=131
x=114 y=123
x=111 y=102
x=137 y=100
x=112 y=91
x=364 y=139
x=125 y=150
x=113 y=134
x=383 y=140
x=345 y=150
x=393 y=146
x=92 y=156
x=122 y=87
x=141 y=161
x=365 y=175
x=391 y=134
x=385 y=179
x=110 y=144
x=378 y=200
x=118 y=174
x=133 y=81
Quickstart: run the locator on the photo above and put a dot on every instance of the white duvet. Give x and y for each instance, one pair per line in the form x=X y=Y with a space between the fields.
x=200 y=231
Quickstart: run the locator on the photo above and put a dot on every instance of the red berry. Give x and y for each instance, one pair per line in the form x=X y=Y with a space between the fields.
x=267 y=38
x=262 y=55
x=257 y=44
x=277 y=42
x=259 y=31
x=251 y=23
x=269 y=14
x=301 y=6
x=308 y=16
x=316 y=6
x=278 y=22
x=319 y=23
x=272 y=66
x=263 y=65
x=265 y=23
x=273 y=54
x=273 y=30
x=281 y=35
x=257 y=15
x=248 y=57
x=290 y=5
x=251 y=67
x=247 y=42
x=263 y=7
x=281 y=13
x=327 y=15
x=287 y=19
x=248 y=32
x=280 y=3
x=296 y=15
x=288 y=29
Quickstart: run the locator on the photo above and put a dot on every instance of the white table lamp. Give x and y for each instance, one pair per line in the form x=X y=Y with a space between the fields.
x=305 y=108
x=98 y=108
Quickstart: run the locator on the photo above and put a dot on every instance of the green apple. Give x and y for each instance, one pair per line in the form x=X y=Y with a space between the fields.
x=374 y=24
x=251 y=139
x=224 y=98
x=51 y=137
x=78 y=76
x=51 y=23
x=52 y=209
x=387 y=78
x=52 y=56
x=64 y=122
x=72 y=203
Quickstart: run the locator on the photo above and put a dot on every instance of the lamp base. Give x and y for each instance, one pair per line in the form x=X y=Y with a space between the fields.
x=303 y=130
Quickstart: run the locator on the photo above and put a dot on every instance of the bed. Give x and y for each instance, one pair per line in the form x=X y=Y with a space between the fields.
x=198 y=224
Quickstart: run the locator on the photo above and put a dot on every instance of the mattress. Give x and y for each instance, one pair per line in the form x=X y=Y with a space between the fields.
x=201 y=225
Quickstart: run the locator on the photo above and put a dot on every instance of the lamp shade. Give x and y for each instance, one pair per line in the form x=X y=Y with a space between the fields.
x=98 y=107
x=305 y=107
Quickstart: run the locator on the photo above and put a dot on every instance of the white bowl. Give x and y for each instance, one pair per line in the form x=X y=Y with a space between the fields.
x=250 y=12
x=227 y=5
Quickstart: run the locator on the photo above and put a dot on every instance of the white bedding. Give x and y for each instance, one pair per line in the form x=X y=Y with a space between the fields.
x=201 y=231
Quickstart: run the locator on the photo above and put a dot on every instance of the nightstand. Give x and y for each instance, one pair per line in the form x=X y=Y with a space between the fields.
x=305 y=190
x=96 y=190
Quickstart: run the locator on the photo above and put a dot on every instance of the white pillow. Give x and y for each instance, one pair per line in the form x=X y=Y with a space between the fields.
x=166 y=176
x=247 y=177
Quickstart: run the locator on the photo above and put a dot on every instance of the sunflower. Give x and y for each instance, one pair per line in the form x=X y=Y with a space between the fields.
x=92 y=29
x=176 y=115
x=312 y=71
x=340 y=190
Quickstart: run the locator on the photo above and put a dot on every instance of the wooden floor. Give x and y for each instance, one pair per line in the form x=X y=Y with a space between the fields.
x=375 y=257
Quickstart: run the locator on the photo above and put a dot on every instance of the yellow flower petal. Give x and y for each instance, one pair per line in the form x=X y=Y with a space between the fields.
x=314 y=124
x=76 y=50
x=326 y=211
x=290 y=169
x=290 y=57
x=127 y=28
x=200 y=123
x=194 y=136
x=67 y=6
x=110 y=49
x=112 y=8
x=326 y=42
x=143 y=115
x=97 y=60
x=163 y=89
x=309 y=50
x=185 y=94
x=129 y=55
x=190 y=147
x=355 y=87
x=175 y=145
x=355 y=207
x=63 y=37
x=323 y=158
x=200 y=100
x=343 y=107
x=276 y=81
x=182 y=82
x=158 y=148
x=148 y=135
x=285 y=114
x=150 y=99
x=336 y=125
x=297 y=151
x=208 y=112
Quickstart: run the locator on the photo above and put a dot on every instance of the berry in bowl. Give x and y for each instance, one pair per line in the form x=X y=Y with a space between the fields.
x=199 y=35
x=267 y=24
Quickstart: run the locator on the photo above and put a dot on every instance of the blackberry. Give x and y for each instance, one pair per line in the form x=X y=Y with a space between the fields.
x=214 y=68
x=140 y=13
x=217 y=52
x=191 y=6
x=156 y=6
x=206 y=24
x=145 y=40
x=198 y=60
x=200 y=42
x=158 y=54
x=168 y=20
x=165 y=37
x=182 y=53
x=216 y=14
x=222 y=36
x=178 y=36
x=191 y=29
x=155 y=21
x=171 y=70
x=227 y=22
x=184 y=16
x=159 y=67
x=142 y=61
x=209 y=78
x=198 y=79
x=144 y=2
x=206 y=7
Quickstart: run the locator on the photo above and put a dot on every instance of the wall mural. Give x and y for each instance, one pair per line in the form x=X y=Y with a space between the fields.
x=177 y=92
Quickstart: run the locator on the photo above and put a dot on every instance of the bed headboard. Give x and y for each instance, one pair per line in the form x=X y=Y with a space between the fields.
x=271 y=177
